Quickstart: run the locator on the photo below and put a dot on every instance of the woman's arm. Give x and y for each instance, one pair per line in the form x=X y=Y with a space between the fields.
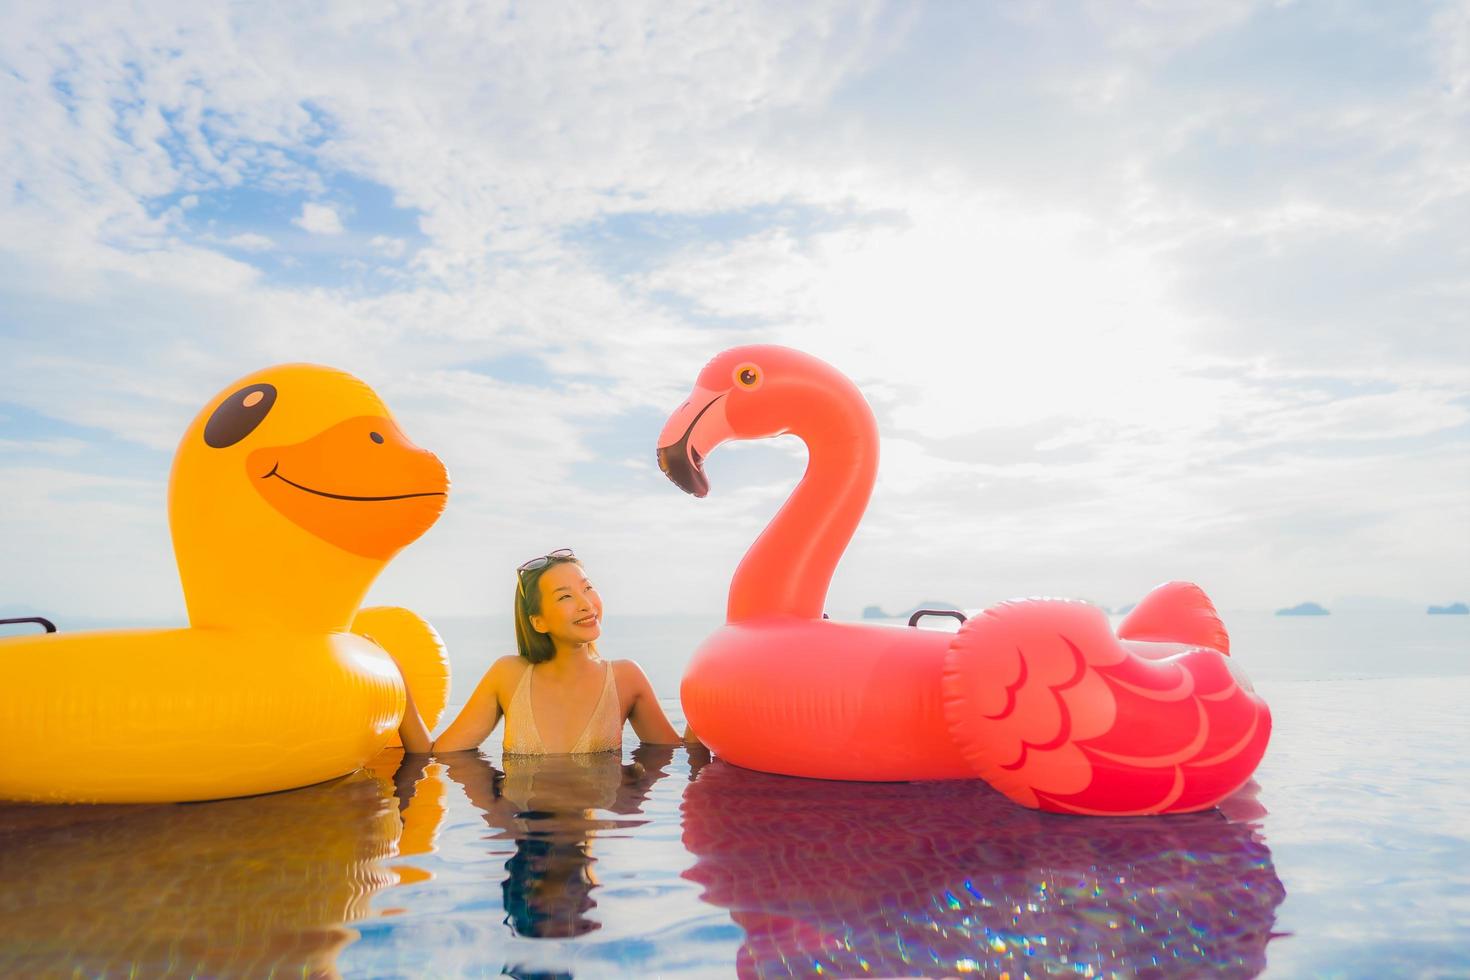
x=412 y=731
x=480 y=714
x=649 y=721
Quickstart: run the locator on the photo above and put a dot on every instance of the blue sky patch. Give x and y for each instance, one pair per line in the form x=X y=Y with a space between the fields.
x=514 y=368
x=32 y=439
x=637 y=241
x=257 y=225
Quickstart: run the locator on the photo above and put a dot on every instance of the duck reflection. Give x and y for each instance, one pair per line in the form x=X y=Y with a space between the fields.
x=904 y=879
x=253 y=886
x=417 y=785
x=554 y=807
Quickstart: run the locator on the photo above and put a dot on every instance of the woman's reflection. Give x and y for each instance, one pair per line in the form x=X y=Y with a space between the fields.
x=923 y=878
x=554 y=807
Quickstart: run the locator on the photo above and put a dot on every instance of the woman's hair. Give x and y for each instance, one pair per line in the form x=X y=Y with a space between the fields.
x=535 y=647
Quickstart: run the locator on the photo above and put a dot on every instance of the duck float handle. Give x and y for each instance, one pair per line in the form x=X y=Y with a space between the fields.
x=40 y=621
x=1039 y=697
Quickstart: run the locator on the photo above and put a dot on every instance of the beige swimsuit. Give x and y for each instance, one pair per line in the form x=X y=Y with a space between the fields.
x=603 y=732
x=560 y=783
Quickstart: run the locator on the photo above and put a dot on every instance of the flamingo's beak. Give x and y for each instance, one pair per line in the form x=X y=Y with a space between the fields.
x=689 y=436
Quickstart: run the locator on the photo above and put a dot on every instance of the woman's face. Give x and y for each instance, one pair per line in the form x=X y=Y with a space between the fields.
x=571 y=609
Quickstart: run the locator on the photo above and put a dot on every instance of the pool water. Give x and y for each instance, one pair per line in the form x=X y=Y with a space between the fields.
x=1349 y=855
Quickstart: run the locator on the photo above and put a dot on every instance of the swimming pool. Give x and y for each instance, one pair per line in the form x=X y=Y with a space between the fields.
x=1349 y=857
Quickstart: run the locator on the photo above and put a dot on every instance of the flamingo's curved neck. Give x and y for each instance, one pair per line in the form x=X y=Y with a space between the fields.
x=789 y=567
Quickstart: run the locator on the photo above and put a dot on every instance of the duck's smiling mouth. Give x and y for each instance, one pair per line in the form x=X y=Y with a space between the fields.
x=275 y=472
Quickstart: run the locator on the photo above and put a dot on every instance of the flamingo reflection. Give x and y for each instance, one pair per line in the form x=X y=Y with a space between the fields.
x=944 y=878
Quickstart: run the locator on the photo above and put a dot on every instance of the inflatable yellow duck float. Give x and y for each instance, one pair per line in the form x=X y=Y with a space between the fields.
x=290 y=492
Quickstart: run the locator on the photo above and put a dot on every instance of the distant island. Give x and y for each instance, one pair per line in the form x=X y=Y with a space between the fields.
x=1305 y=609
x=1453 y=609
x=876 y=612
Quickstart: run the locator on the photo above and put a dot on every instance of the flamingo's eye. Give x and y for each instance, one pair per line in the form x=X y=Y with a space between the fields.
x=238 y=415
x=748 y=376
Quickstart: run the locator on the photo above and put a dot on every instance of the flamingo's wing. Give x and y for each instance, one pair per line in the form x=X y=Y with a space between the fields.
x=1052 y=710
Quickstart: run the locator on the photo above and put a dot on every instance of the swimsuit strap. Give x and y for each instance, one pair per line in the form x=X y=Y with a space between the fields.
x=604 y=731
x=521 y=736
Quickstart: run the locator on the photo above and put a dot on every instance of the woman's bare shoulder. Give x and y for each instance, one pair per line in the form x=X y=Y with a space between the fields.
x=628 y=671
x=507 y=669
x=511 y=663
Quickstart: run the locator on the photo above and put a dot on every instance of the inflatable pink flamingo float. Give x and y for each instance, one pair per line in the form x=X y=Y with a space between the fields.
x=1037 y=696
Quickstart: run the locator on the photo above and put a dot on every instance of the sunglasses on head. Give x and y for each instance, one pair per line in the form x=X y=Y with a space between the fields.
x=560 y=554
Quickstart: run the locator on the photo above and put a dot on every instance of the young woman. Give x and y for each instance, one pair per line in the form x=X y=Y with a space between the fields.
x=557 y=695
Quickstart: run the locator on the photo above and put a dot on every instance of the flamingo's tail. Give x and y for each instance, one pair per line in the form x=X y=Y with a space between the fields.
x=1176 y=612
x=1055 y=712
x=417 y=649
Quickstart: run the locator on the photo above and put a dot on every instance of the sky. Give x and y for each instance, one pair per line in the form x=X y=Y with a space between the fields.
x=1137 y=292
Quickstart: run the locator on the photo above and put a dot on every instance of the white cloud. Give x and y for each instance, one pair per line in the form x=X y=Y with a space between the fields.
x=250 y=242
x=319 y=219
x=388 y=245
x=49 y=447
x=83 y=545
x=1124 y=298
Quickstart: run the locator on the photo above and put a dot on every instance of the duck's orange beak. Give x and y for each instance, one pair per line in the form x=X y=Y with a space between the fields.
x=360 y=485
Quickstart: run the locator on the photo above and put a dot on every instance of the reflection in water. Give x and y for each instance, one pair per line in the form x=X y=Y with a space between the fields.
x=822 y=877
x=547 y=804
x=902 y=879
x=233 y=887
x=553 y=807
x=418 y=785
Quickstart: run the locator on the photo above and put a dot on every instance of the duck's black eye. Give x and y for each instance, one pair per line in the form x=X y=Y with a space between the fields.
x=238 y=415
x=375 y=438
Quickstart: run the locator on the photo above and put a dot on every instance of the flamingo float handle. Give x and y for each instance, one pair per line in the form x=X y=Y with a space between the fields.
x=921 y=613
